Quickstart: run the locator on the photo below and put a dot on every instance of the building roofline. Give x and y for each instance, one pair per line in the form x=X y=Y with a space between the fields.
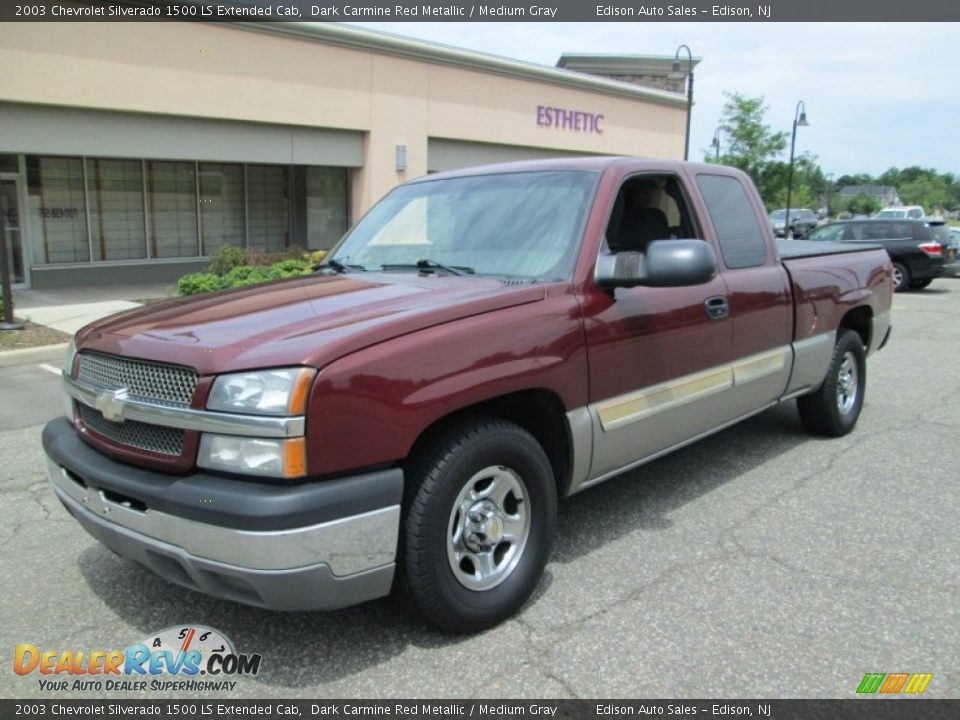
x=621 y=63
x=389 y=44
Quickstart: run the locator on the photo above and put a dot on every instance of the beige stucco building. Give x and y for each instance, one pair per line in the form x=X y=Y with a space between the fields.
x=131 y=151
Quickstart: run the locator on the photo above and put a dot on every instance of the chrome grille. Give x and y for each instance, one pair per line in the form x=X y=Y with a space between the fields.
x=143 y=436
x=153 y=382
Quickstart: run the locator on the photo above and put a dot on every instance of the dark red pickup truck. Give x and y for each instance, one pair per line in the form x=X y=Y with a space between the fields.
x=479 y=345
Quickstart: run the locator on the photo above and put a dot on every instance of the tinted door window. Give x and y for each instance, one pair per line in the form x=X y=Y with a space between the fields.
x=828 y=233
x=738 y=229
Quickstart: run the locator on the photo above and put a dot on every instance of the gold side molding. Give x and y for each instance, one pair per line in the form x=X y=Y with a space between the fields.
x=632 y=407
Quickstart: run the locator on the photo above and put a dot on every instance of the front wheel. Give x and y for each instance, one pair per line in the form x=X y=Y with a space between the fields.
x=833 y=410
x=480 y=514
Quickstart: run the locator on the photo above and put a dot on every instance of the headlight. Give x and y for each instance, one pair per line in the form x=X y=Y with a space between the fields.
x=68 y=407
x=253 y=456
x=68 y=360
x=265 y=392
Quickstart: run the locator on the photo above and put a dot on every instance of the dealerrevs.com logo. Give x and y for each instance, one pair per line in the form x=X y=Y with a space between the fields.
x=187 y=658
x=894 y=683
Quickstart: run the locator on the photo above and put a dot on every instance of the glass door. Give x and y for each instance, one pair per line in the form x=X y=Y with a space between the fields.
x=10 y=217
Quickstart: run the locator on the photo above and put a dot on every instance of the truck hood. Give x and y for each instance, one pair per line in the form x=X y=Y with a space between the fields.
x=303 y=321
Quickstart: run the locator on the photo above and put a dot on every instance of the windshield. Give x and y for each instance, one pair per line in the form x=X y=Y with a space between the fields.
x=778 y=215
x=520 y=225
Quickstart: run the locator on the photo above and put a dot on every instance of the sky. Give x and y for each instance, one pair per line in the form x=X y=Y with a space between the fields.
x=878 y=95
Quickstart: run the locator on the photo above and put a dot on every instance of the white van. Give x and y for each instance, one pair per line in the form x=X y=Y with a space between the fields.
x=901 y=212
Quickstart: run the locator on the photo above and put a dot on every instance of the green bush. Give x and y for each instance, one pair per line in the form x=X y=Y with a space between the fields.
x=225 y=259
x=239 y=274
x=289 y=268
x=243 y=275
x=248 y=275
x=200 y=283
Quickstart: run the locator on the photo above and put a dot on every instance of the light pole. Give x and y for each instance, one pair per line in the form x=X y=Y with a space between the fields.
x=677 y=74
x=7 y=321
x=715 y=144
x=799 y=120
x=829 y=179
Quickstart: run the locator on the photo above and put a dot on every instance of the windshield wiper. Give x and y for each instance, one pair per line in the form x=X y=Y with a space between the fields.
x=339 y=267
x=427 y=264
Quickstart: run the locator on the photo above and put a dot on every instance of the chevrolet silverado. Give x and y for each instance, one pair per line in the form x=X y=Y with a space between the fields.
x=481 y=344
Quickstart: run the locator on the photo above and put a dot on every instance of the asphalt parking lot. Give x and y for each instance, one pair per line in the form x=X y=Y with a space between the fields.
x=760 y=562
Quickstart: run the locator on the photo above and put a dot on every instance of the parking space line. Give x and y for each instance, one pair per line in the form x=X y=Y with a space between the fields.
x=49 y=368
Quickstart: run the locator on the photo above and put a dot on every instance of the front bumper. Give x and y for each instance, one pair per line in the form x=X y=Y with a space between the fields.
x=315 y=546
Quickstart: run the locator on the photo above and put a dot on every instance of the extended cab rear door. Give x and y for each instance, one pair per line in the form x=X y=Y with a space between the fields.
x=758 y=288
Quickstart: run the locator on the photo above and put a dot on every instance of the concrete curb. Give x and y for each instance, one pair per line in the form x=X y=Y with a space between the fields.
x=9 y=358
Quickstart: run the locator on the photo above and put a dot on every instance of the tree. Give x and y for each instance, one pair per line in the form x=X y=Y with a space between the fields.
x=751 y=145
x=755 y=148
x=863 y=204
x=858 y=179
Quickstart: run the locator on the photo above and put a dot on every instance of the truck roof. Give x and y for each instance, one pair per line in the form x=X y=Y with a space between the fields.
x=596 y=163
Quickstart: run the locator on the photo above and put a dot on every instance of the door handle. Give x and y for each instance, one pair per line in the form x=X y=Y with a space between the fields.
x=717 y=307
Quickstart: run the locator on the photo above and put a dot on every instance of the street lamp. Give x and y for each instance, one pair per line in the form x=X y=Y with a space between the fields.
x=715 y=144
x=677 y=74
x=799 y=120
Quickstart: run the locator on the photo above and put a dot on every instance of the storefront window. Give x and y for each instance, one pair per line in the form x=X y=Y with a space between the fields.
x=221 y=206
x=326 y=193
x=172 y=209
x=268 y=214
x=115 y=199
x=178 y=209
x=58 y=216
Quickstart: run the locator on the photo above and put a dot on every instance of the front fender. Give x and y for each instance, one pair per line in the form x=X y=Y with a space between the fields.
x=370 y=407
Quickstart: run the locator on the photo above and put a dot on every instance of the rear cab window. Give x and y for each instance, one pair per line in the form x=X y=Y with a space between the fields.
x=741 y=238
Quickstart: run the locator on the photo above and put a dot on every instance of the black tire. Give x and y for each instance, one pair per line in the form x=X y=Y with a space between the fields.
x=827 y=411
x=901 y=277
x=920 y=284
x=438 y=475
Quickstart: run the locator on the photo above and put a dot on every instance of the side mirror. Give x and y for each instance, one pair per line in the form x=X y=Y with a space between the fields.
x=667 y=263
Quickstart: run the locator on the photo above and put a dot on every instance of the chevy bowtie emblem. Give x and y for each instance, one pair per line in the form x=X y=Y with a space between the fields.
x=111 y=402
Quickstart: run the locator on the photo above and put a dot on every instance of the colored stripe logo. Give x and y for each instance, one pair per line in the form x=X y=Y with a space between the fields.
x=894 y=683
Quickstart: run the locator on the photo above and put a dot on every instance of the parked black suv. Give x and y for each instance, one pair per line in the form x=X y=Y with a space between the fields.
x=916 y=247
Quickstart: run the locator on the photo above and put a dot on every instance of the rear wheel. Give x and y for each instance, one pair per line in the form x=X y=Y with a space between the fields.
x=479 y=520
x=901 y=277
x=920 y=284
x=833 y=410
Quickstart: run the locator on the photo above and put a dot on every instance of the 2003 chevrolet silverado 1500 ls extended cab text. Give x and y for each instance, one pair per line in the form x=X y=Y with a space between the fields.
x=479 y=345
